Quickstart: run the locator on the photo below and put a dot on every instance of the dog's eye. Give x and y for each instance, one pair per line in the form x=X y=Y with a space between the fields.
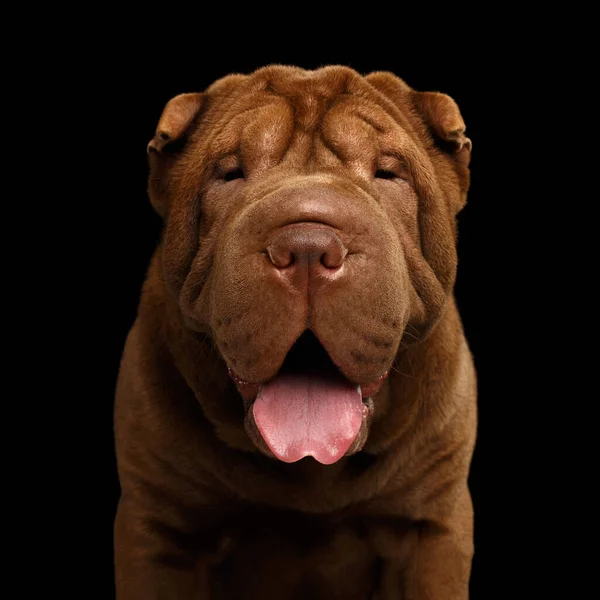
x=385 y=174
x=234 y=174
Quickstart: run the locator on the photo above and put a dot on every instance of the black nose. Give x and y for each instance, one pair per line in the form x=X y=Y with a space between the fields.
x=312 y=247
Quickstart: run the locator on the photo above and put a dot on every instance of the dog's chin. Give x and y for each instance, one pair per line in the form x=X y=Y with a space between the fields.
x=309 y=408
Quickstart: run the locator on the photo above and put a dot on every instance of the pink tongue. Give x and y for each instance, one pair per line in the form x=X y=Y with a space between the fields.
x=309 y=415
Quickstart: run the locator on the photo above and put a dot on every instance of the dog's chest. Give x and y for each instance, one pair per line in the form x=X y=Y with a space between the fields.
x=293 y=558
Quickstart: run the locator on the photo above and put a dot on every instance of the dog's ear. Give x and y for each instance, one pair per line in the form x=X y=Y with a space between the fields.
x=439 y=111
x=175 y=122
x=443 y=116
x=177 y=117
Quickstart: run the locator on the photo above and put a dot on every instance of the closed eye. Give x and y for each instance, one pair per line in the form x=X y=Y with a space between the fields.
x=385 y=174
x=234 y=174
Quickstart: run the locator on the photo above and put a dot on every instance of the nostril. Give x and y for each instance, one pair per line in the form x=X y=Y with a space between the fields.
x=334 y=256
x=306 y=243
x=280 y=257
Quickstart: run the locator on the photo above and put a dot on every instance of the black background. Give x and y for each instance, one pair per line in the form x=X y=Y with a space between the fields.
x=491 y=81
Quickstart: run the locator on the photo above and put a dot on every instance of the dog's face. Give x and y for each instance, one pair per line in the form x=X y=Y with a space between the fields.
x=310 y=231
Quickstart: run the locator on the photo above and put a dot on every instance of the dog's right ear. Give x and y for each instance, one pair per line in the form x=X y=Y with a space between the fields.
x=177 y=117
x=175 y=122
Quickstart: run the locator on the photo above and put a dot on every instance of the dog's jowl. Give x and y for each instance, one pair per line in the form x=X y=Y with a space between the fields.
x=296 y=405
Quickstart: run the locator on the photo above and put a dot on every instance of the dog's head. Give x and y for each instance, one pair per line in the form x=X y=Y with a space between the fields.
x=310 y=231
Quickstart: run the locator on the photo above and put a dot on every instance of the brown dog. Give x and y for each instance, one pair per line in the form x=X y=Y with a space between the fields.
x=296 y=406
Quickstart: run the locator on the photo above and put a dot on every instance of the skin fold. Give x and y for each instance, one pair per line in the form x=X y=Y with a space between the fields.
x=369 y=175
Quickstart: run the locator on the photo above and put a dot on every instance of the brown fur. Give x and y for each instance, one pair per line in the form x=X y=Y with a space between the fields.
x=205 y=511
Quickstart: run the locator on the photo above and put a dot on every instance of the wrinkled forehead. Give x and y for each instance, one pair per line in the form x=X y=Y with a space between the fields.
x=306 y=91
x=261 y=117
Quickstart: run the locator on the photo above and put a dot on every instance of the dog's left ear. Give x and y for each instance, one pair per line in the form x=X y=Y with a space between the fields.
x=443 y=116
x=177 y=116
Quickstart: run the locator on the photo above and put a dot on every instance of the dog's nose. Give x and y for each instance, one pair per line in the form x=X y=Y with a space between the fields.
x=309 y=247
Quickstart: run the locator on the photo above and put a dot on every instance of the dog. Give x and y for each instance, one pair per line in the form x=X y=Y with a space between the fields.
x=295 y=410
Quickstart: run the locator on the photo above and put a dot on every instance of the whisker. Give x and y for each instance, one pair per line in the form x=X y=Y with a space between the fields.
x=401 y=373
x=213 y=371
x=411 y=335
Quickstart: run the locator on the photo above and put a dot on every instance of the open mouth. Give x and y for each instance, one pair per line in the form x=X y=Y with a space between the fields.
x=309 y=408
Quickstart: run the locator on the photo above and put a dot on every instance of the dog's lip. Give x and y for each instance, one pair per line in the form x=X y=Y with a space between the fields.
x=249 y=390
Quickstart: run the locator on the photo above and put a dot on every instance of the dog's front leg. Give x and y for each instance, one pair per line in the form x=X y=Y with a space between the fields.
x=432 y=561
x=152 y=561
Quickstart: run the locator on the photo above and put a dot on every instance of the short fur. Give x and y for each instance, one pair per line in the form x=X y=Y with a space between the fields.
x=205 y=511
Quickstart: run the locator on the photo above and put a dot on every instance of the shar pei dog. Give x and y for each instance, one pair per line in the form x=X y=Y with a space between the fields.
x=295 y=411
